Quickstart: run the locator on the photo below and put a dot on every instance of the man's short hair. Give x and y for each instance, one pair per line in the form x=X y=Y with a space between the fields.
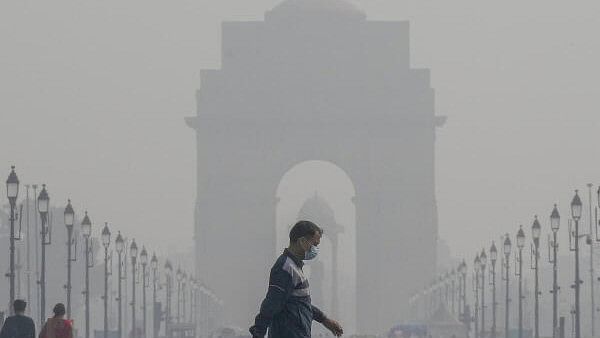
x=59 y=309
x=19 y=305
x=304 y=229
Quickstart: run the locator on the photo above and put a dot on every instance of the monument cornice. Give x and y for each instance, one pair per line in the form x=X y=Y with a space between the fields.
x=352 y=122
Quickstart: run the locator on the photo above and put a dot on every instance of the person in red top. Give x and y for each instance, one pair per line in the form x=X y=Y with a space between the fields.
x=57 y=326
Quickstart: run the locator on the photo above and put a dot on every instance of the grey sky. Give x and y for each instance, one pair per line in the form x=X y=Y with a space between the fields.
x=93 y=95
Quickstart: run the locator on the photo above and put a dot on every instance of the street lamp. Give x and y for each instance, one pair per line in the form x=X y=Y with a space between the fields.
x=69 y=216
x=28 y=244
x=204 y=308
x=576 y=208
x=453 y=291
x=432 y=299
x=120 y=246
x=12 y=186
x=154 y=266
x=520 y=246
x=553 y=244
x=183 y=296
x=144 y=262
x=535 y=251
x=463 y=273
x=445 y=279
x=194 y=302
x=106 y=244
x=439 y=285
x=483 y=262
x=493 y=259
x=476 y=268
x=86 y=231
x=43 y=207
x=506 y=249
x=179 y=276
x=133 y=252
x=12 y=192
x=592 y=273
x=168 y=280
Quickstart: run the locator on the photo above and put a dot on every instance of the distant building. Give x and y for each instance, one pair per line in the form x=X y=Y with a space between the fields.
x=316 y=81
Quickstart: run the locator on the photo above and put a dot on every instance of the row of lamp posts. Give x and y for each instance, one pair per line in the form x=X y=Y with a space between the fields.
x=480 y=264
x=43 y=205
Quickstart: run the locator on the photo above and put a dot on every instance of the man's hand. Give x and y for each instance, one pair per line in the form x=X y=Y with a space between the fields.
x=255 y=333
x=333 y=326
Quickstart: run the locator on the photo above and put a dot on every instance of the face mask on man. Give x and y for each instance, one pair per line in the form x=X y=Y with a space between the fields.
x=311 y=253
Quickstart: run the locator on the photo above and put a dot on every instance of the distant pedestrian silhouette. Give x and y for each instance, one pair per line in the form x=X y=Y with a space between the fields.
x=19 y=325
x=57 y=326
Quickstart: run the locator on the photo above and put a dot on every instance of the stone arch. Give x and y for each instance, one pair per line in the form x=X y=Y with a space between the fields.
x=298 y=89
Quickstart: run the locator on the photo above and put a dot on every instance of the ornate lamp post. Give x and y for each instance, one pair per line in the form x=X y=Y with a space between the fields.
x=154 y=266
x=69 y=221
x=431 y=300
x=144 y=262
x=519 y=273
x=535 y=251
x=476 y=268
x=428 y=302
x=86 y=231
x=194 y=302
x=169 y=282
x=120 y=246
x=12 y=192
x=459 y=290
x=453 y=289
x=576 y=207
x=179 y=276
x=507 y=248
x=592 y=274
x=106 y=244
x=133 y=252
x=553 y=244
x=483 y=262
x=443 y=287
x=493 y=259
x=43 y=207
x=438 y=285
x=463 y=274
x=28 y=243
x=442 y=291
x=183 y=296
x=440 y=294
x=203 y=305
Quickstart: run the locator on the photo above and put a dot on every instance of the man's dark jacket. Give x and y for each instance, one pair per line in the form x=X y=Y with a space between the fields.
x=286 y=310
x=18 y=326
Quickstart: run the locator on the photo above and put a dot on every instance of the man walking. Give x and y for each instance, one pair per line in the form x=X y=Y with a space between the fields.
x=19 y=325
x=286 y=310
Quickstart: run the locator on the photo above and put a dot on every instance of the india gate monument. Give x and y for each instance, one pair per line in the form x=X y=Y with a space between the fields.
x=316 y=80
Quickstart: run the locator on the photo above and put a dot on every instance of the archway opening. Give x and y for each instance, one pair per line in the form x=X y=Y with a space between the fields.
x=322 y=192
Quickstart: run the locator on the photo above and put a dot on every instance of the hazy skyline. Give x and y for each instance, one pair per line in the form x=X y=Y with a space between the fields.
x=93 y=96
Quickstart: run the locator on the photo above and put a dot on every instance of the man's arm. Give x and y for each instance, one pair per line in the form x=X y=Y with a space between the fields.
x=318 y=315
x=329 y=323
x=280 y=287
